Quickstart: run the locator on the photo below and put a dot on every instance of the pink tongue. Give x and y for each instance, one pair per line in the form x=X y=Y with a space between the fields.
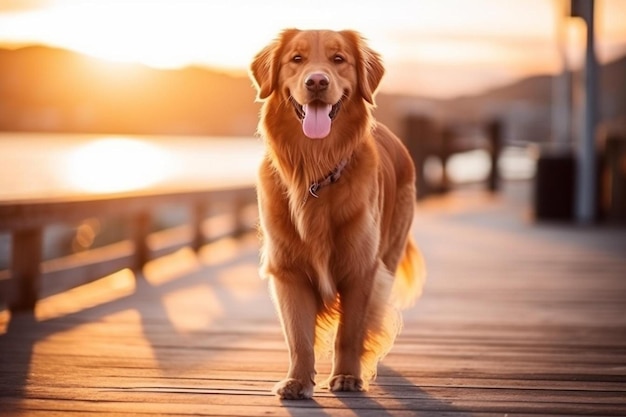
x=316 y=123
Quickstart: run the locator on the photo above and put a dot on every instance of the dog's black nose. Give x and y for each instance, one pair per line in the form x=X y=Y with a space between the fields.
x=317 y=81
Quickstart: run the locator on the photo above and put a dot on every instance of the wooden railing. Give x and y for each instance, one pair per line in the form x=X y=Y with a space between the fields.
x=26 y=221
x=427 y=138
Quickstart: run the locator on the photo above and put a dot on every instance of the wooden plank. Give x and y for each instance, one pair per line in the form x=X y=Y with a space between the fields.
x=61 y=274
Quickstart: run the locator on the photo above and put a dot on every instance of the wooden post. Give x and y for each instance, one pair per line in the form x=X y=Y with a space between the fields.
x=141 y=229
x=197 y=220
x=26 y=267
x=447 y=139
x=239 y=210
x=494 y=134
x=616 y=165
x=420 y=140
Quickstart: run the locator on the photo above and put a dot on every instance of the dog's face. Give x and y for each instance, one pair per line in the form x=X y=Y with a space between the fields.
x=317 y=72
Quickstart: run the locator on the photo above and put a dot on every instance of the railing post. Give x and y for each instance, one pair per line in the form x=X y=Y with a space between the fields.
x=447 y=138
x=26 y=267
x=141 y=230
x=239 y=213
x=197 y=221
x=494 y=134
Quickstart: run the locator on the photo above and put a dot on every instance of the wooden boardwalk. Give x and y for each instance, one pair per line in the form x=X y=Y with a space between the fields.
x=517 y=319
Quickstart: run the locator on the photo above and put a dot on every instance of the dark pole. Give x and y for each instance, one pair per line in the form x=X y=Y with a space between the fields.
x=586 y=173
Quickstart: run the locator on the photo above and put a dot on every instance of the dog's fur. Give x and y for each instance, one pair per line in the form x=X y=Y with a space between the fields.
x=331 y=258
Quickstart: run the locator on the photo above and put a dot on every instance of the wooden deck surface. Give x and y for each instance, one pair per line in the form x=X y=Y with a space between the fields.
x=518 y=318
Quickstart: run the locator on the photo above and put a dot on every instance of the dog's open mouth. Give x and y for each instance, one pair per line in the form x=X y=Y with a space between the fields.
x=316 y=117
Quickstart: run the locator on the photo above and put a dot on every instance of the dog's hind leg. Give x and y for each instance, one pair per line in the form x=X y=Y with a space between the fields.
x=367 y=330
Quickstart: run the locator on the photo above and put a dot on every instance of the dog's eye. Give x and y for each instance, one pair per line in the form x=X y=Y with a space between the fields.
x=338 y=59
x=296 y=58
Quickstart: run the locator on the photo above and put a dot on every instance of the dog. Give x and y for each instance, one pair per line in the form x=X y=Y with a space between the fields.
x=336 y=198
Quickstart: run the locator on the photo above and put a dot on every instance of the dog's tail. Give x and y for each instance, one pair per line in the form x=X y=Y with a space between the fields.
x=389 y=295
x=410 y=276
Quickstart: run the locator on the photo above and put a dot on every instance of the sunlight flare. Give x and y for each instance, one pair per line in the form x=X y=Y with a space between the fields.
x=117 y=165
x=104 y=290
x=194 y=308
x=508 y=39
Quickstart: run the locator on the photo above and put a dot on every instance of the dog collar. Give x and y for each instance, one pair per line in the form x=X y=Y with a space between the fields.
x=331 y=178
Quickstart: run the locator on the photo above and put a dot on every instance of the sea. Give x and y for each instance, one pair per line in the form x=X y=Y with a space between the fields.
x=50 y=165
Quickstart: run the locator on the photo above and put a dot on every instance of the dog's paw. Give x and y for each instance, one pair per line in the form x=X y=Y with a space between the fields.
x=293 y=389
x=345 y=383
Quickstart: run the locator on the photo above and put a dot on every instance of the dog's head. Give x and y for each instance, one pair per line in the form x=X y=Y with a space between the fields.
x=317 y=71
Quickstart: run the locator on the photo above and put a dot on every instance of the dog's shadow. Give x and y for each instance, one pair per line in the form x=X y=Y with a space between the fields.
x=391 y=394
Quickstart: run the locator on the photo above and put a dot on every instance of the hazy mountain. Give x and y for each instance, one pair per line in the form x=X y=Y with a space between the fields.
x=525 y=107
x=46 y=89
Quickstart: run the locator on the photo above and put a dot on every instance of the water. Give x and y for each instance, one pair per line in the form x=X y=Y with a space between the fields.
x=44 y=165
x=34 y=166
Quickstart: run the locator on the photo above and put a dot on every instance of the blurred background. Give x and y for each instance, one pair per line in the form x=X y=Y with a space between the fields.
x=110 y=96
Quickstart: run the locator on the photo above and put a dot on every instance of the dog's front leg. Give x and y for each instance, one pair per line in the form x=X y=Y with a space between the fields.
x=297 y=307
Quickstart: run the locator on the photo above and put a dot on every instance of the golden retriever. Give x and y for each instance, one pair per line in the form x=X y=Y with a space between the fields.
x=336 y=194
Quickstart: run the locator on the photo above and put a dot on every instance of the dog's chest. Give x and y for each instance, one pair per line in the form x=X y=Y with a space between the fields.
x=314 y=220
x=327 y=218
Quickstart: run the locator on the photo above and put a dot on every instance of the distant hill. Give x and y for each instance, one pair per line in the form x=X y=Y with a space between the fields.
x=45 y=89
x=526 y=106
x=54 y=90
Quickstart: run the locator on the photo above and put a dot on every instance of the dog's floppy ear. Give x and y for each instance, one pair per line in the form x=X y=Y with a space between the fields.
x=265 y=66
x=369 y=66
x=263 y=70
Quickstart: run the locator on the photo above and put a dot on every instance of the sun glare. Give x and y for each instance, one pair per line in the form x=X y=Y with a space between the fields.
x=161 y=34
x=508 y=38
x=117 y=165
x=178 y=33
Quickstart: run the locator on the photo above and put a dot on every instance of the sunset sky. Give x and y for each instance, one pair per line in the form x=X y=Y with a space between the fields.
x=435 y=47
